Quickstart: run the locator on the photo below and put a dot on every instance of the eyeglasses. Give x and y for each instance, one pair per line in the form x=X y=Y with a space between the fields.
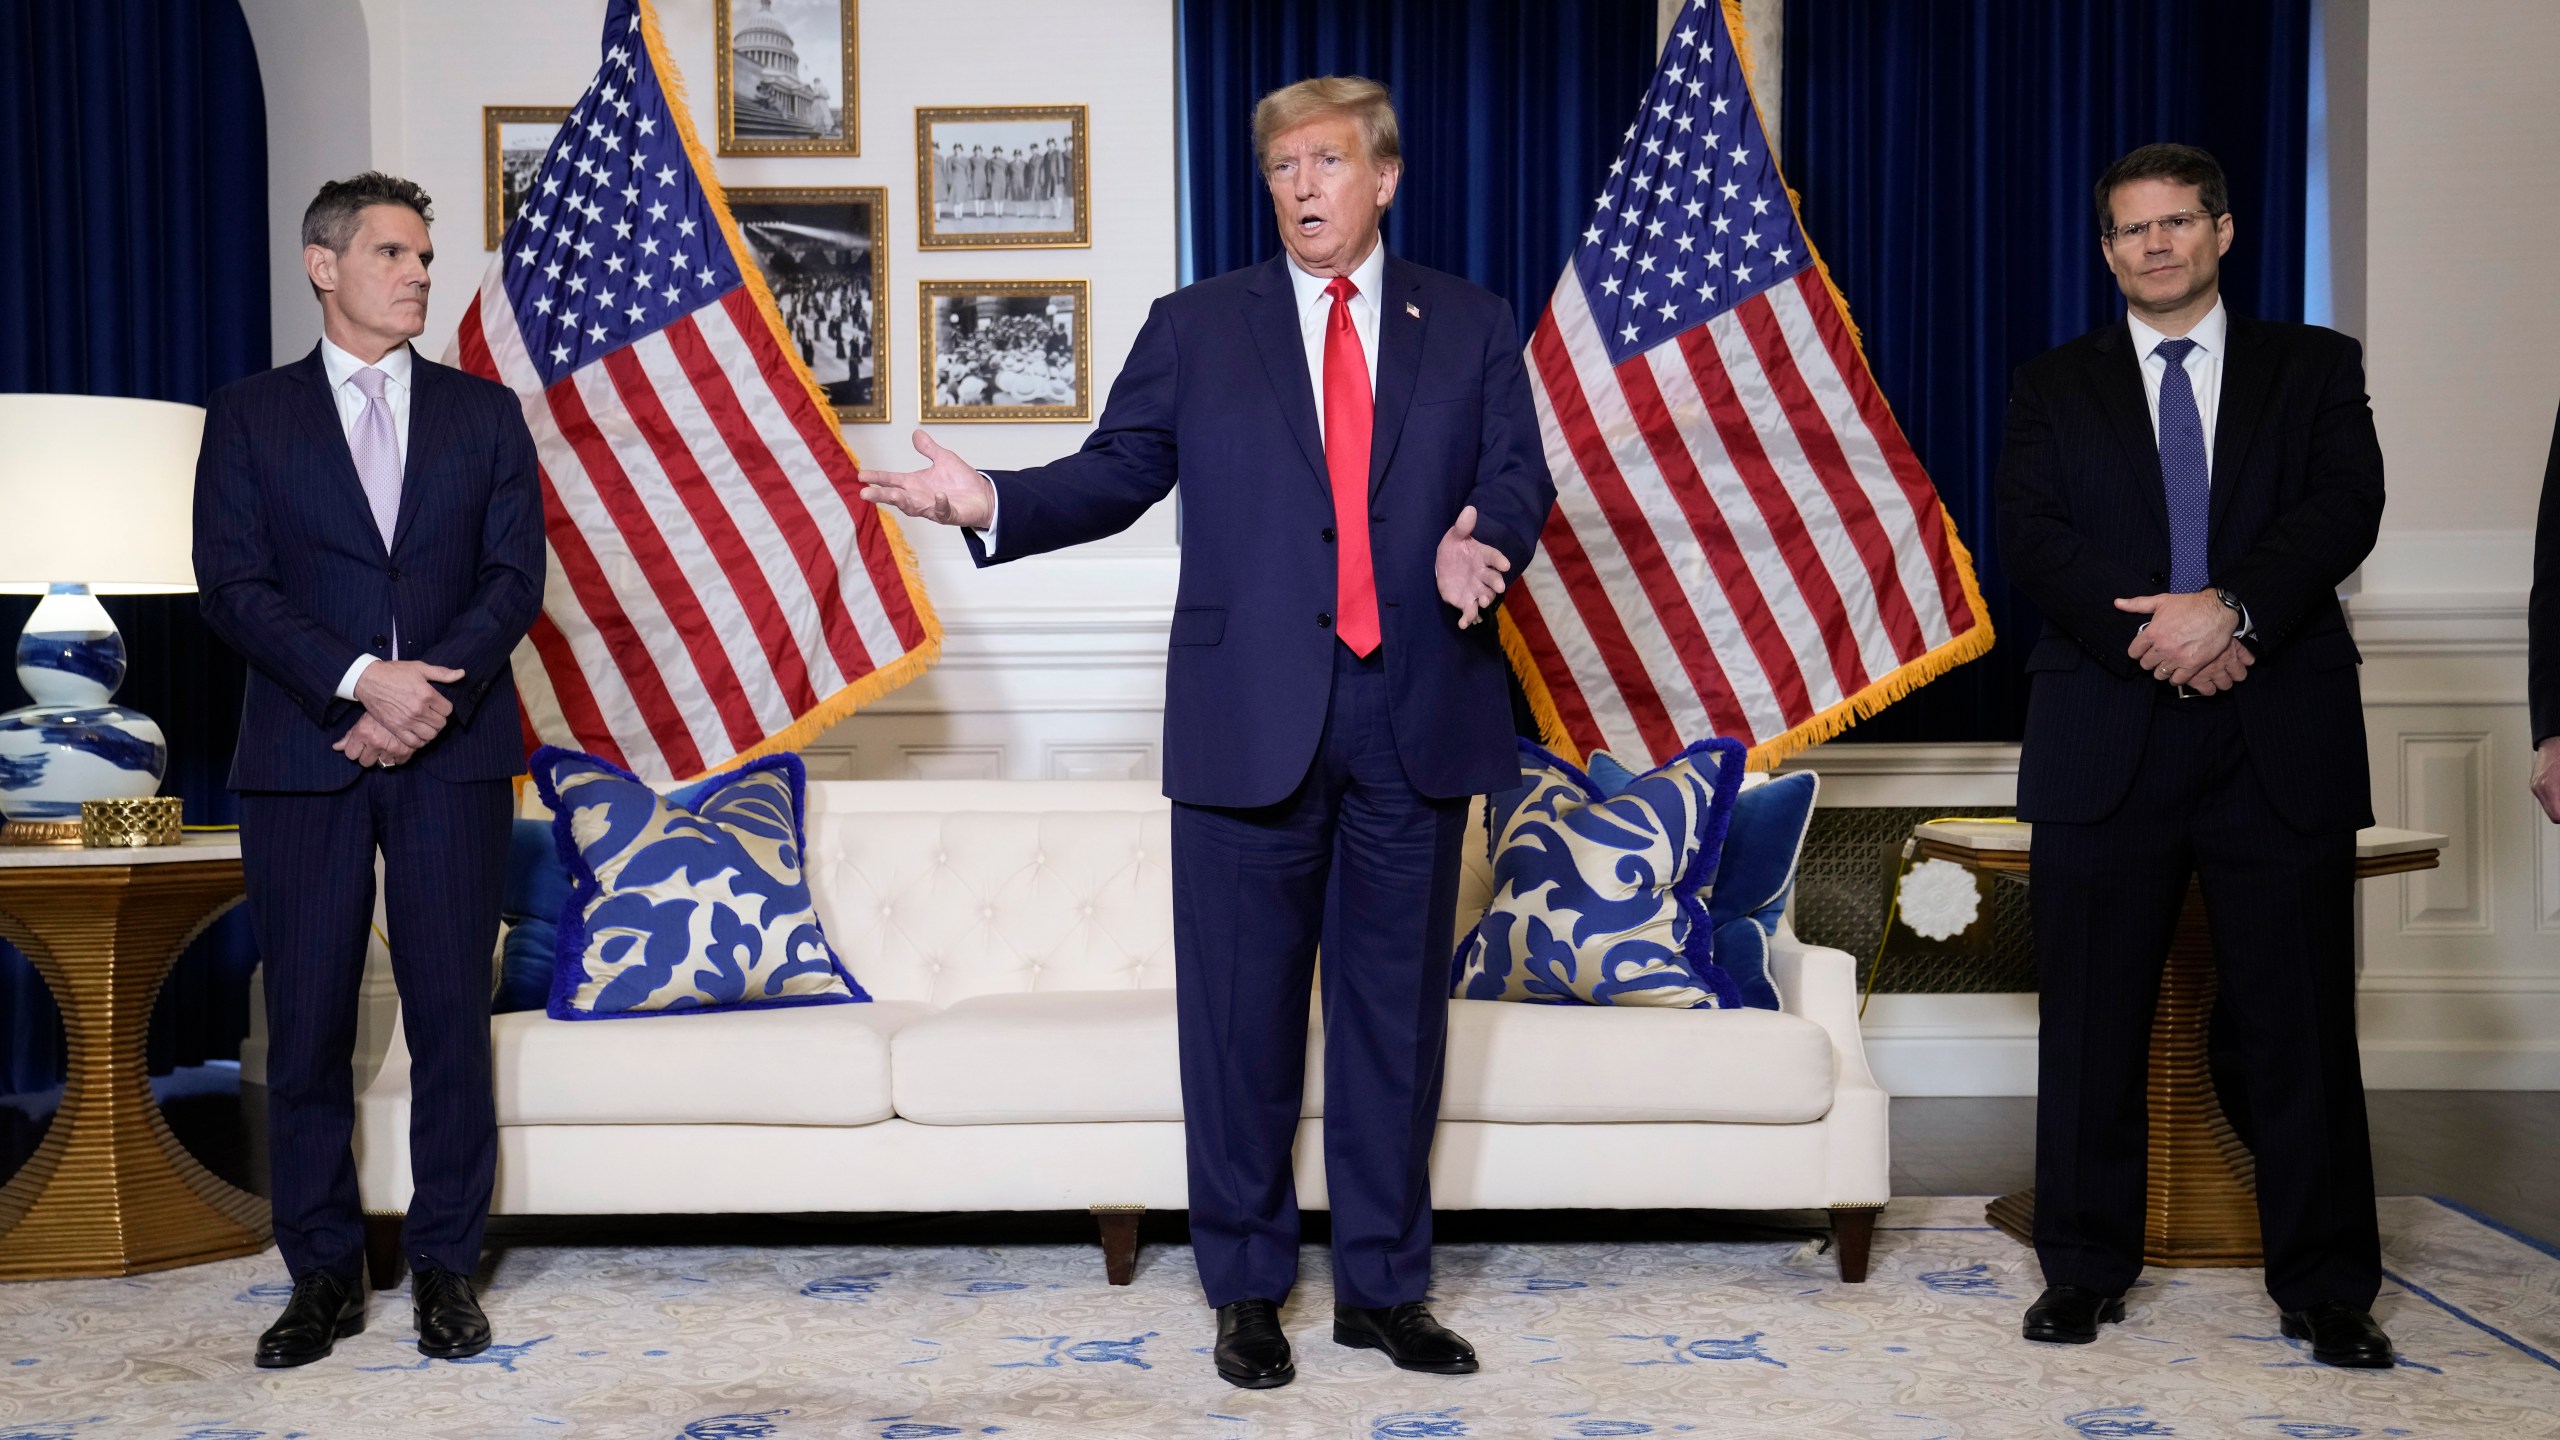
x=2172 y=225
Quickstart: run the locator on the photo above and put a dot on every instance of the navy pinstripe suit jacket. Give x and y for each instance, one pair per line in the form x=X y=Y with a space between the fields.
x=292 y=571
x=2297 y=500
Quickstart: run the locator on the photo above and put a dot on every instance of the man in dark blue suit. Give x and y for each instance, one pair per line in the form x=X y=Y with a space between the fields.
x=368 y=534
x=1360 y=469
x=2181 y=494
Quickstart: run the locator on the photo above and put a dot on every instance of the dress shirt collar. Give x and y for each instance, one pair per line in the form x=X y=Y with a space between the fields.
x=341 y=366
x=1367 y=276
x=2209 y=333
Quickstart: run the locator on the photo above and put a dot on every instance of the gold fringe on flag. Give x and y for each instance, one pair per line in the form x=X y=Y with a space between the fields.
x=1823 y=725
x=914 y=662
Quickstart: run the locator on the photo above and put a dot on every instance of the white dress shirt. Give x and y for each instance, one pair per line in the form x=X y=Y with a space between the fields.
x=341 y=368
x=1315 y=312
x=2204 y=370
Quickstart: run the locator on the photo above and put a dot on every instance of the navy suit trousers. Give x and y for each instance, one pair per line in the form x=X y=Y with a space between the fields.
x=2105 y=901
x=309 y=866
x=1358 y=859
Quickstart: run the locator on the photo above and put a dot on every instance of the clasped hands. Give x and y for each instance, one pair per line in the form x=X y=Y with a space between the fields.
x=2188 y=641
x=402 y=711
x=949 y=491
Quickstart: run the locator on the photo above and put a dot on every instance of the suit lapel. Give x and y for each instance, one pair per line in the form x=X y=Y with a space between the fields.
x=2247 y=372
x=1272 y=314
x=317 y=410
x=426 y=417
x=1399 y=360
x=2118 y=376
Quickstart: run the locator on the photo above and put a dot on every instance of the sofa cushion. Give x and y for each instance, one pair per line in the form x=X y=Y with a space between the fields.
x=1545 y=1064
x=1602 y=899
x=1051 y=1057
x=819 y=1065
x=684 y=906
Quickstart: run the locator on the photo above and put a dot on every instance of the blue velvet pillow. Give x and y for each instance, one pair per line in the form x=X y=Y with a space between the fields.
x=684 y=905
x=537 y=886
x=1603 y=899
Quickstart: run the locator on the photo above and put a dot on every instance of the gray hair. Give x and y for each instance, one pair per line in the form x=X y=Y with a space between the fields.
x=330 y=221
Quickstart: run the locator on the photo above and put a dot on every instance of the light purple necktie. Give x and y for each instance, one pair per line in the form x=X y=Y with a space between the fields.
x=377 y=452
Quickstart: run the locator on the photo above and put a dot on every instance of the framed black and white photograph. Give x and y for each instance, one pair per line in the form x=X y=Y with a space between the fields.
x=513 y=139
x=1007 y=177
x=825 y=257
x=788 y=77
x=1005 y=349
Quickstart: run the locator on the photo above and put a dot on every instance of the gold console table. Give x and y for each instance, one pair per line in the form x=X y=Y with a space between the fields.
x=110 y=1191
x=2202 y=1205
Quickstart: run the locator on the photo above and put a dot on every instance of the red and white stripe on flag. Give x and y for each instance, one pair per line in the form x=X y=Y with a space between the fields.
x=1743 y=544
x=717 y=590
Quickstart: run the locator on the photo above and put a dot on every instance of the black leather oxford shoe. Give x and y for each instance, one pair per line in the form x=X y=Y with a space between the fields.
x=2070 y=1315
x=324 y=1309
x=450 y=1322
x=1252 y=1352
x=2340 y=1334
x=1408 y=1334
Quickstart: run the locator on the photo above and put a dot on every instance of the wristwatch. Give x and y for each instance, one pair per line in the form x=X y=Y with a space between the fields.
x=2241 y=629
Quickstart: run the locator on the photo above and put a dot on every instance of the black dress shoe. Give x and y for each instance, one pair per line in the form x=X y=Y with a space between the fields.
x=325 y=1309
x=2340 y=1334
x=1252 y=1352
x=1408 y=1334
x=450 y=1323
x=2070 y=1315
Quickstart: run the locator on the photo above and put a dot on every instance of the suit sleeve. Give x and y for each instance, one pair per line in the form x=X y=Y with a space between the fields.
x=236 y=585
x=2297 y=563
x=1513 y=489
x=2542 y=619
x=2074 y=582
x=509 y=593
x=1126 y=466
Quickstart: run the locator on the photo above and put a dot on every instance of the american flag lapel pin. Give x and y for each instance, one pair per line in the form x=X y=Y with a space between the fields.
x=1413 y=310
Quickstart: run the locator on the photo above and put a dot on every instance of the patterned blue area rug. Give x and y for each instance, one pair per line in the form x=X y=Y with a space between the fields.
x=1579 y=1341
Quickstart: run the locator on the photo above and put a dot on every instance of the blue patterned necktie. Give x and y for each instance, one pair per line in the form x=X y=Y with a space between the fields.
x=2186 y=475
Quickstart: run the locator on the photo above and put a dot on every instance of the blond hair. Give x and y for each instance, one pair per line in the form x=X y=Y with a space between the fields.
x=1363 y=100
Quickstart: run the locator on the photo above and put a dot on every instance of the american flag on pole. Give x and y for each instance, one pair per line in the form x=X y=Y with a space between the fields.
x=1743 y=544
x=716 y=589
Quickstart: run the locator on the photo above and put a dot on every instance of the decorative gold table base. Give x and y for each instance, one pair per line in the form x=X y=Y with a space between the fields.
x=111 y=1191
x=2201 y=1201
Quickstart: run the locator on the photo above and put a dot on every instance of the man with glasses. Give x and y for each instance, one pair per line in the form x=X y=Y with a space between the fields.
x=2180 y=494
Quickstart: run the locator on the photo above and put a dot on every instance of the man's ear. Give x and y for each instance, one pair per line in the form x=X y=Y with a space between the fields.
x=320 y=263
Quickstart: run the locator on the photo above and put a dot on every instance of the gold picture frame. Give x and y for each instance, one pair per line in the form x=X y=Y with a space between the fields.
x=833 y=324
x=1053 y=210
x=498 y=195
x=975 y=393
x=782 y=111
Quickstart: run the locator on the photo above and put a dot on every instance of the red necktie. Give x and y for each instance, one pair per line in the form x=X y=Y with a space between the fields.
x=1347 y=411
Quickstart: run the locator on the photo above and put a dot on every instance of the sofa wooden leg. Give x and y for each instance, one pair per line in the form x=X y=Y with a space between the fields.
x=1119 y=1225
x=382 y=1250
x=1853 y=1233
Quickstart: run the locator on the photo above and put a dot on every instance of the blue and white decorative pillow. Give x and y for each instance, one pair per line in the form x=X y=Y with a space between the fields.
x=1600 y=899
x=684 y=903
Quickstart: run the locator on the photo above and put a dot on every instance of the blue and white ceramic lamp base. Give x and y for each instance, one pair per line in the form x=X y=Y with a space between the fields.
x=73 y=743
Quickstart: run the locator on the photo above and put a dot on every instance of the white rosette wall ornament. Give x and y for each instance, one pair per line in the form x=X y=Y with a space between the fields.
x=1939 y=900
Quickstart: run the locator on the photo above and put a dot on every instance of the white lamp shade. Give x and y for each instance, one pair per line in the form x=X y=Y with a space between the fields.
x=99 y=491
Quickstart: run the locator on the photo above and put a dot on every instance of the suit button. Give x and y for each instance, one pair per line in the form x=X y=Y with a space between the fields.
x=2159 y=579
x=380 y=641
x=1377 y=519
x=394 y=573
x=1324 y=619
x=1328 y=534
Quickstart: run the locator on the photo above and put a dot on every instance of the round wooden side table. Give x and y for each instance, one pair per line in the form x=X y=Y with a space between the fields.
x=2202 y=1203
x=110 y=1191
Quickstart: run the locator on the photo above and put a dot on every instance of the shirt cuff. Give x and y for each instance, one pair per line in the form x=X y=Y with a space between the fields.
x=347 y=685
x=995 y=513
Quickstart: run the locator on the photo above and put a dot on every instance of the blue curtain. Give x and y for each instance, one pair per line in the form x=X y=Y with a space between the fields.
x=133 y=261
x=1945 y=154
x=1508 y=111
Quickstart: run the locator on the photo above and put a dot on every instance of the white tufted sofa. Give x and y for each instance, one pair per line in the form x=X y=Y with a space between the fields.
x=1017 y=937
